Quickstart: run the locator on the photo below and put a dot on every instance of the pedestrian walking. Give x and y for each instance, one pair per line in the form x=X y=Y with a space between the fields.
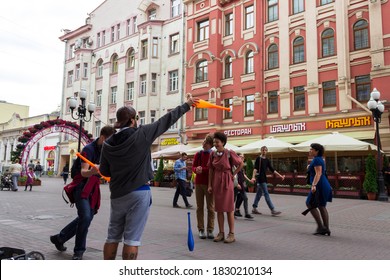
x=86 y=182
x=65 y=173
x=221 y=184
x=201 y=168
x=15 y=169
x=180 y=170
x=240 y=192
x=262 y=164
x=126 y=159
x=320 y=187
x=38 y=170
x=30 y=178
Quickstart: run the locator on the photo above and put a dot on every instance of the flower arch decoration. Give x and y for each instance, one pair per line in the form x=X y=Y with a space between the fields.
x=36 y=132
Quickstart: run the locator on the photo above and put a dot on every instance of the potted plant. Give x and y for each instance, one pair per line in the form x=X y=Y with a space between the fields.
x=158 y=178
x=370 y=184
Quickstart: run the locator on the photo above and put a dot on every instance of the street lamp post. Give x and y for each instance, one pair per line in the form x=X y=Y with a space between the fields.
x=377 y=108
x=81 y=113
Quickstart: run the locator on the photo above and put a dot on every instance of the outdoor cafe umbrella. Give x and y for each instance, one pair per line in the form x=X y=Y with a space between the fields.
x=174 y=151
x=274 y=145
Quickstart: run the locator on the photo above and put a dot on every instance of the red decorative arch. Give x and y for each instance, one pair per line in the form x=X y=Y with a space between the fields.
x=35 y=133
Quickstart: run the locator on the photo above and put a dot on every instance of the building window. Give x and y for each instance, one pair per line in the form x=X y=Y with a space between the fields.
x=201 y=114
x=154 y=82
x=201 y=71
x=228 y=103
x=174 y=80
x=363 y=88
x=118 y=31
x=327 y=39
x=329 y=92
x=98 y=126
x=324 y=2
x=174 y=43
x=203 y=30
x=70 y=78
x=152 y=116
x=144 y=49
x=112 y=33
x=152 y=14
x=113 y=95
x=272 y=10
x=135 y=24
x=249 y=17
x=175 y=8
x=299 y=98
x=299 y=50
x=71 y=51
x=114 y=64
x=77 y=72
x=360 y=32
x=131 y=58
x=155 y=47
x=249 y=105
x=273 y=102
x=128 y=27
x=141 y=115
x=174 y=126
x=100 y=68
x=98 y=40
x=99 y=98
x=273 y=57
x=228 y=67
x=142 y=89
x=229 y=24
x=249 y=62
x=298 y=6
x=130 y=91
x=103 y=38
x=85 y=70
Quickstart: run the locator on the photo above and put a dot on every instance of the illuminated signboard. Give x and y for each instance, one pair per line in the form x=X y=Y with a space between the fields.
x=292 y=127
x=49 y=148
x=238 y=132
x=169 y=142
x=348 y=122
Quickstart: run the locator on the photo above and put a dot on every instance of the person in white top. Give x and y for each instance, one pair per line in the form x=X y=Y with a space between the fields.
x=15 y=169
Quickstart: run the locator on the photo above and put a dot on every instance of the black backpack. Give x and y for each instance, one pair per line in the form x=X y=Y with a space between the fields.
x=76 y=168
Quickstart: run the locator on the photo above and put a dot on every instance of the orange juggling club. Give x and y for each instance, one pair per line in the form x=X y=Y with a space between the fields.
x=93 y=166
x=205 y=104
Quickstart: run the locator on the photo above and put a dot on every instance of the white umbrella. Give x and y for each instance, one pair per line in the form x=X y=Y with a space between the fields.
x=274 y=145
x=172 y=151
x=193 y=151
x=335 y=142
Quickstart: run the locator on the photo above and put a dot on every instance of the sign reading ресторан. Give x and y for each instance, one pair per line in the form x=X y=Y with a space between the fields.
x=238 y=132
x=291 y=127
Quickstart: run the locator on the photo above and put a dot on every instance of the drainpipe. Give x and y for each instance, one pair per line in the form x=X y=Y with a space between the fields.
x=181 y=75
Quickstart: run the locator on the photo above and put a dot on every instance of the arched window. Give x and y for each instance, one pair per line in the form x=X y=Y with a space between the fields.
x=100 y=68
x=201 y=71
x=131 y=58
x=249 y=62
x=299 y=50
x=228 y=67
x=327 y=41
x=114 y=64
x=360 y=35
x=273 y=57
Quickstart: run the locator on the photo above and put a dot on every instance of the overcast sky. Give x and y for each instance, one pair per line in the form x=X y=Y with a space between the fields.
x=31 y=55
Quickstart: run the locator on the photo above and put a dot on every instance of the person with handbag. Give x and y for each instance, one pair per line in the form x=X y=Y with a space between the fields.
x=260 y=169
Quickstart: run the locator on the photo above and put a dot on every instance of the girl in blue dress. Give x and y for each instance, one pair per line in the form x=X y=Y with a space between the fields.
x=319 y=184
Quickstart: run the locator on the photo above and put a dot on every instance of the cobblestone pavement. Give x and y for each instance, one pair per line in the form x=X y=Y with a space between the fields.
x=360 y=228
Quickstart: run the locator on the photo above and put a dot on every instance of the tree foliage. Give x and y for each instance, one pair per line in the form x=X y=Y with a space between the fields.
x=160 y=171
x=370 y=184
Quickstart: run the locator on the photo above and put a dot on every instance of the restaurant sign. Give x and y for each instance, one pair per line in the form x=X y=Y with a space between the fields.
x=238 y=132
x=169 y=142
x=292 y=127
x=348 y=122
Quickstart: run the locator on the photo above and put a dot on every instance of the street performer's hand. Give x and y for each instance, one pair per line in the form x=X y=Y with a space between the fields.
x=191 y=100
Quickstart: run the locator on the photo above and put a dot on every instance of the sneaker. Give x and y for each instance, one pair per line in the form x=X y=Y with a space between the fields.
x=248 y=216
x=210 y=234
x=202 y=235
x=275 y=213
x=254 y=211
x=237 y=213
x=60 y=246
x=77 y=257
x=189 y=206
x=230 y=238
x=220 y=237
x=176 y=206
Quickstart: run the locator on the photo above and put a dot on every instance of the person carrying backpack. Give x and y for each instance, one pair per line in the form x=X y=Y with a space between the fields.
x=38 y=170
x=86 y=192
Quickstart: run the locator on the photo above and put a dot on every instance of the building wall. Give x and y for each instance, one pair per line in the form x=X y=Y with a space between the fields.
x=343 y=67
x=8 y=109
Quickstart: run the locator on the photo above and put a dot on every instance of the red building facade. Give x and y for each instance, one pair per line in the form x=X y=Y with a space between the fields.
x=291 y=69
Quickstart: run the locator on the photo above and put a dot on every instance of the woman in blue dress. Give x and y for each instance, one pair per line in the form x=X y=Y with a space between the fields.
x=319 y=184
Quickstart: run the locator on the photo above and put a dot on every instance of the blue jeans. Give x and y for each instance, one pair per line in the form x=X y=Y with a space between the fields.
x=15 y=178
x=262 y=188
x=78 y=226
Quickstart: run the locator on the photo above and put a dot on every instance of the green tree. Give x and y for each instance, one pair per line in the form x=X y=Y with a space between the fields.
x=160 y=171
x=370 y=184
